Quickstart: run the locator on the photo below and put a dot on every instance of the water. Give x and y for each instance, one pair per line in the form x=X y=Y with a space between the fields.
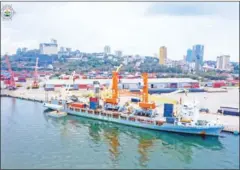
x=30 y=139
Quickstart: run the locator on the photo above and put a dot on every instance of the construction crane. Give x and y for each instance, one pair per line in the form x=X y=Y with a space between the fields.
x=11 y=85
x=35 y=84
x=145 y=104
x=112 y=103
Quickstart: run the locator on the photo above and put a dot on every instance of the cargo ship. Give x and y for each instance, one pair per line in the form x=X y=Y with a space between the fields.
x=182 y=119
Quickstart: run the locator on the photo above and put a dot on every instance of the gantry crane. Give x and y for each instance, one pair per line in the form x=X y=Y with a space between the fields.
x=11 y=85
x=145 y=104
x=112 y=103
x=35 y=84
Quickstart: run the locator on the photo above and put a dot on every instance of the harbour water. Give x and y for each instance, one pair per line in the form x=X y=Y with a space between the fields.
x=31 y=139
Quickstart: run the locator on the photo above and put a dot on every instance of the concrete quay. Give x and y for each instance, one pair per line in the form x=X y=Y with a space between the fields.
x=231 y=123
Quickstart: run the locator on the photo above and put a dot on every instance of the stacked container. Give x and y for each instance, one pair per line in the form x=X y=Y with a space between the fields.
x=135 y=100
x=94 y=102
x=168 y=110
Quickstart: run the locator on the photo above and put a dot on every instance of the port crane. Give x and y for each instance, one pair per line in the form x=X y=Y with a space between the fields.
x=112 y=102
x=145 y=104
x=35 y=84
x=11 y=85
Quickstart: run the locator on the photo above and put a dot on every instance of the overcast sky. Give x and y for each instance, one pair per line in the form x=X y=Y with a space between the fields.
x=133 y=27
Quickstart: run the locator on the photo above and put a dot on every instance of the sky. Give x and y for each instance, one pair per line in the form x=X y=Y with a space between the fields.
x=132 y=27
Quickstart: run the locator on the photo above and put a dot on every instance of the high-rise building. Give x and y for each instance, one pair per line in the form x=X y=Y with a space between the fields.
x=219 y=62
x=107 y=49
x=197 y=54
x=61 y=49
x=223 y=62
x=162 y=55
x=118 y=53
x=19 y=51
x=189 y=57
x=49 y=48
x=24 y=49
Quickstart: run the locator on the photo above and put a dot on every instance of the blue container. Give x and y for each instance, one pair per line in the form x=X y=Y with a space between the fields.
x=49 y=89
x=168 y=107
x=170 y=119
x=49 y=86
x=232 y=113
x=135 y=100
x=93 y=105
x=168 y=110
x=168 y=113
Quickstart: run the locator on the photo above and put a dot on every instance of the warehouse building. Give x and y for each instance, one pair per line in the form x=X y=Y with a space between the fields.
x=130 y=83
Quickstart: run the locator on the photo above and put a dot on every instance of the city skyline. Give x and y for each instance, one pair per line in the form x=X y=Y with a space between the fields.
x=134 y=28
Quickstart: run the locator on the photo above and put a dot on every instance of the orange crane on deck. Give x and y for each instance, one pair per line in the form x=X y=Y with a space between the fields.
x=145 y=104
x=112 y=103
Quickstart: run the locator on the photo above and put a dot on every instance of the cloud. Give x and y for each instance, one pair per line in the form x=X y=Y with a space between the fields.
x=219 y=9
x=88 y=26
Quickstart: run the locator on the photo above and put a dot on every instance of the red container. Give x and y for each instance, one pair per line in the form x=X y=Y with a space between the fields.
x=58 y=85
x=195 y=85
x=82 y=86
x=93 y=99
x=218 y=84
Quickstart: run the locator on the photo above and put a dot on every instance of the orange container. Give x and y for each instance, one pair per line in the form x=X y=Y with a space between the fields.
x=77 y=105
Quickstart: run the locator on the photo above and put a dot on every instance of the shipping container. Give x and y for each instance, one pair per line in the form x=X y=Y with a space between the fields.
x=135 y=100
x=78 y=105
x=170 y=119
x=168 y=110
x=195 y=85
x=82 y=86
x=22 y=80
x=232 y=113
x=218 y=84
x=93 y=105
x=48 y=89
x=58 y=85
x=49 y=86
x=93 y=99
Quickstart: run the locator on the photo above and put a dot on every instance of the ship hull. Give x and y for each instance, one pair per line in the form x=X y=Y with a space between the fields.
x=196 y=130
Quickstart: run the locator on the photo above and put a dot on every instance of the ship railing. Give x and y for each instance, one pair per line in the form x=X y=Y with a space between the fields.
x=96 y=112
x=132 y=119
x=116 y=115
x=103 y=113
x=159 y=122
x=90 y=111
x=123 y=117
